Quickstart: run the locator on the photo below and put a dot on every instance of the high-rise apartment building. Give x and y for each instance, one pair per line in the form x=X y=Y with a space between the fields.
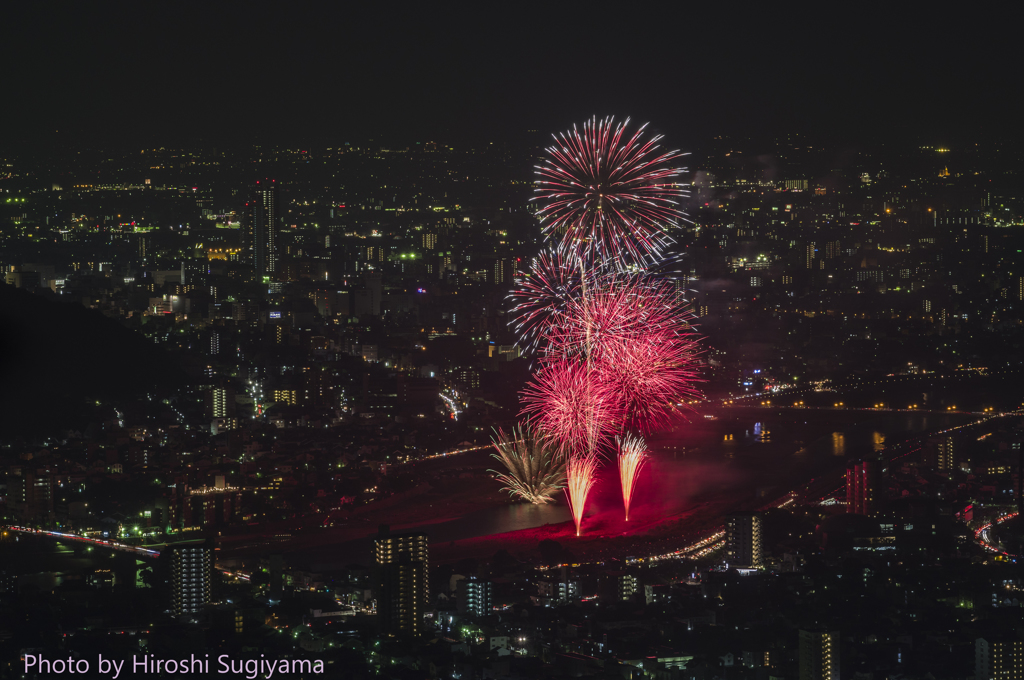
x=504 y=270
x=402 y=581
x=743 y=540
x=998 y=659
x=220 y=403
x=259 y=233
x=863 y=486
x=475 y=597
x=819 y=655
x=628 y=585
x=191 y=572
x=945 y=454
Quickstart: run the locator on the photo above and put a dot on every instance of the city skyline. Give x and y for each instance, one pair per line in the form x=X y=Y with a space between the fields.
x=486 y=343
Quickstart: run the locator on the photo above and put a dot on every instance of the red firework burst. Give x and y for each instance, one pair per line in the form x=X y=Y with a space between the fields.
x=553 y=282
x=632 y=456
x=571 y=402
x=615 y=190
x=651 y=375
x=618 y=308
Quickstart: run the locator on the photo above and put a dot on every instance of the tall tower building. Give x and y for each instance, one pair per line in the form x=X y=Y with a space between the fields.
x=259 y=233
x=819 y=655
x=743 y=540
x=945 y=459
x=864 y=486
x=1001 y=659
x=191 y=571
x=475 y=597
x=504 y=270
x=403 y=591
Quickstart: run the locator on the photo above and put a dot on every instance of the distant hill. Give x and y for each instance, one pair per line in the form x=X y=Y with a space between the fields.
x=58 y=358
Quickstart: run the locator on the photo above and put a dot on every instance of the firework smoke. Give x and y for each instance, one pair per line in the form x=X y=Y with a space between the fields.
x=536 y=466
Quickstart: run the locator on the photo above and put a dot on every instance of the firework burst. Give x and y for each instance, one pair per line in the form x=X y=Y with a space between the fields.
x=651 y=376
x=536 y=466
x=612 y=189
x=632 y=456
x=569 y=401
x=580 y=471
x=554 y=281
x=617 y=309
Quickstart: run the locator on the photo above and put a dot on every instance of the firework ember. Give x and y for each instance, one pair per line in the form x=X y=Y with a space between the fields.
x=580 y=472
x=536 y=466
x=614 y=190
x=632 y=456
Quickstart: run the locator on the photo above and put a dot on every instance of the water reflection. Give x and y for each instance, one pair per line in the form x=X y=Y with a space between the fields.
x=838 y=444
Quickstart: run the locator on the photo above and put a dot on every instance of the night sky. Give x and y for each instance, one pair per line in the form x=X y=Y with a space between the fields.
x=229 y=73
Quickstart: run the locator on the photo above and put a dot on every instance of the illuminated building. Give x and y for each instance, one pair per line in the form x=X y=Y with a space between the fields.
x=628 y=585
x=863 y=486
x=220 y=403
x=429 y=241
x=259 y=234
x=819 y=655
x=810 y=256
x=743 y=540
x=475 y=597
x=30 y=493
x=504 y=270
x=945 y=455
x=402 y=581
x=191 y=571
x=998 y=659
x=286 y=396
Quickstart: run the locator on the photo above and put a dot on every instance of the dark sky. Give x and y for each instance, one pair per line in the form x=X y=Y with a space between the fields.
x=221 y=72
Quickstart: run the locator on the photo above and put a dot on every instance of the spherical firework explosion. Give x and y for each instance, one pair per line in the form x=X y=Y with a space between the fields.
x=535 y=464
x=571 y=403
x=615 y=190
x=632 y=456
x=651 y=376
x=617 y=309
x=542 y=294
x=580 y=472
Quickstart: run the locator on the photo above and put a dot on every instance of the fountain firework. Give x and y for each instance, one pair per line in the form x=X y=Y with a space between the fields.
x=580 y=472
x=632 y=456
x=535 y=464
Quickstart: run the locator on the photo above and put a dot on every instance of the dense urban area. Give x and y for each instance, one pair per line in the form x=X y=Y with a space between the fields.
x=249 y=393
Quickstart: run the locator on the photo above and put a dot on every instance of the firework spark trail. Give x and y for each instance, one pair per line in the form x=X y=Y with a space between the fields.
x=569 y=402
x=535 y=464
x=613 y=190
x=632 y=456
x=580 y=471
